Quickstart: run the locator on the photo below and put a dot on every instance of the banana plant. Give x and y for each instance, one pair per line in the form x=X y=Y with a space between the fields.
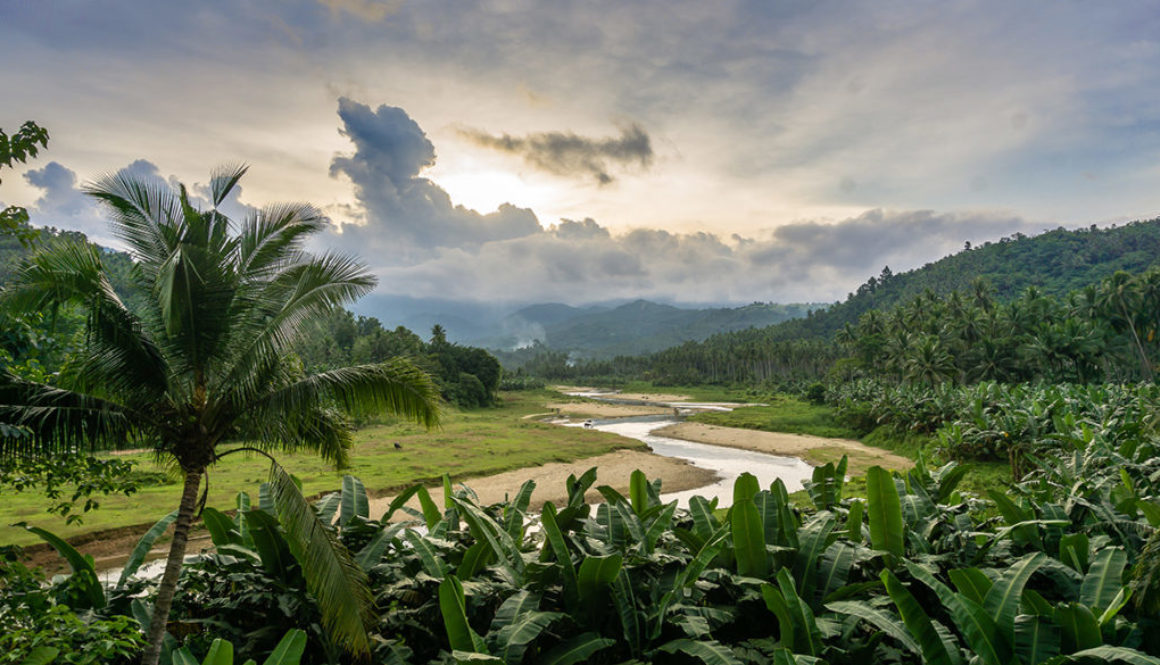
x=221 y=652
x=91 y=592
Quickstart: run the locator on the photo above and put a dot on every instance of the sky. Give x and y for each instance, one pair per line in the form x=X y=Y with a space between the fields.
x=512 y=151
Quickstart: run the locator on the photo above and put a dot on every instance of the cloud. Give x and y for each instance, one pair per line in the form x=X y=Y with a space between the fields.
x=568 y=154
x=582 y=262
x=367 y=10
x=404 y=213
x=64 y=205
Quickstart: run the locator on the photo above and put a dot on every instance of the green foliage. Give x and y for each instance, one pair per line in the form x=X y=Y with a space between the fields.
x=24 y=144
x=65 y=481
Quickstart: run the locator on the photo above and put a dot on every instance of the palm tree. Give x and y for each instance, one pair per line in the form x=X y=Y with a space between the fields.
x=206 y=360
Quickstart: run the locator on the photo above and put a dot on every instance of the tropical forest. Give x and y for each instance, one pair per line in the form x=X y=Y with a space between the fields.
x=375 y=332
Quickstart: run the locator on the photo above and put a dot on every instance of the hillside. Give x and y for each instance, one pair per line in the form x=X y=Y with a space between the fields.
x=1057 y=262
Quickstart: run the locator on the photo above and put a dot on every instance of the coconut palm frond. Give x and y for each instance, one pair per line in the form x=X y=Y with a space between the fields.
x=273 y=238
x=55 y=420
x=73 y=273
x=142 y=212
x=337 y=583
x=397 y=386
x=223 y=180
x=269 y=319
x=319 y=428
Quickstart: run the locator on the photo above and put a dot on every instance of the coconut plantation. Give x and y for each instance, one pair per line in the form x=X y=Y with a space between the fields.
x=375 y=332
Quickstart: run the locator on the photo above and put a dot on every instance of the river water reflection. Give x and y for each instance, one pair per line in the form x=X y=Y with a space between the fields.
x=729 y=463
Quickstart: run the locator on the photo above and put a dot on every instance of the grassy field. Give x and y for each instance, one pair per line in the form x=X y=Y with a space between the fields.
x=783 y=414
x=696 y=393
x=470 y=443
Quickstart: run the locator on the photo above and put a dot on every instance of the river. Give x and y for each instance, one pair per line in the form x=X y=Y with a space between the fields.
x=728 y=463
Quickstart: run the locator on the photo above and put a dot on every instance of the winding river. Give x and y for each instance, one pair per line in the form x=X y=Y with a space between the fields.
x=728 y=463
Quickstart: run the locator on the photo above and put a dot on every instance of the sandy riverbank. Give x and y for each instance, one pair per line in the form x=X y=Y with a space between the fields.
x=813 y=449
x=615 y=468
x=604 y=410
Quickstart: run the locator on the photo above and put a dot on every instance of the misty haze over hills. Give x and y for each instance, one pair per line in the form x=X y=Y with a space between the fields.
x=597 y=330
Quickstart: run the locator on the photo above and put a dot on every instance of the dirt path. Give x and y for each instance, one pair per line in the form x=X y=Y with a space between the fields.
x=813 y=449
x=614 y=469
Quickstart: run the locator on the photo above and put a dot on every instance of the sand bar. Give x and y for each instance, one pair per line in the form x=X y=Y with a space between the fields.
x=614 y=470
x=605 y=410
x=813 y=449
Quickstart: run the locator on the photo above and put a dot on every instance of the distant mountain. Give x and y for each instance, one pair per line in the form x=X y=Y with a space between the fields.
x=637 y=327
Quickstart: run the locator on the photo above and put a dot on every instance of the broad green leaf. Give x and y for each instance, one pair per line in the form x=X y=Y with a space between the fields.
x=972 y=583
x=469 y=657
x=221 y=528
x=834 y=571
x=137 y=556
x=1121 y=599
x=624 y=600
x=662 y=523
x=453 y=607
x=1036 y=638
x=1024 y=532
x=559 y=548
x=709 y=652
x=517 y=604
x=748 y=537
x=475 y=559
x=745 y=487
x=271 y=546
x=1073 y=550
x=1151 y=512
x=84 y=574
x=512 y=640
x=917 y=622
x=775 y=601
x=813 y=539
x=970 y=618
x=432 y=563
x=596 y=573
x=1114 y=655
x=1002 y=600
x=221 y=652
x=887 y=623
x=638 y=492
x=289 y=650
x=705 y=523
x=431 y=513
x=1104 y=579
x=372 y=552
x=887 y=531
x=807 y=638
x=184 y=656
x=576 y=650
x=515 y=511
x=854 y=521
x=1079 y=627
x=327 y=507
x=483 y=527
x=354 y=501
x=401 y=500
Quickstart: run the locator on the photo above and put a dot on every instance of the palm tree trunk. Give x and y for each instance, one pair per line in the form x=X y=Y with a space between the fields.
x=168 y=586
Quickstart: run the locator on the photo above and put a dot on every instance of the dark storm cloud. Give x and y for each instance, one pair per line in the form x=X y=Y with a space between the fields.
x=569 y=154
x=402 y=210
